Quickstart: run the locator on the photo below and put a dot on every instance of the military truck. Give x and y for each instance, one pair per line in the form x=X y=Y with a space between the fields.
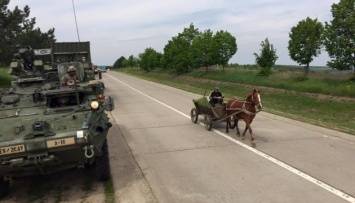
x=47 y=127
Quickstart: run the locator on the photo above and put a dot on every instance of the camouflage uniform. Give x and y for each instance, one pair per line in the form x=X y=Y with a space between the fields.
x=70 y=77
x=67 y=79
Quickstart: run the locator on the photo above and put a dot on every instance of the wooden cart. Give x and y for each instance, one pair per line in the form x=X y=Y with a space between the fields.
x=211 y=114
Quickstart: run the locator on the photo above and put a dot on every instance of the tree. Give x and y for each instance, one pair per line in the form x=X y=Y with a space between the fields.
x=125 y=63
x=131 y=61
x=17 y=29
x=201 y=50
x=267 y=57
x=177 y=54
x=339 y=36
x=150 y=59
x=305 y=42
x=119 y=62
x=224 y=46
x=37 y=39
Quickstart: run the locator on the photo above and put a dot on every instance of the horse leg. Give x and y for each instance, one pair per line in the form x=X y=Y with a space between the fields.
x=236 y=126
x=247 y=126
x=228 y=120
x=252 y=141
x=245 y=130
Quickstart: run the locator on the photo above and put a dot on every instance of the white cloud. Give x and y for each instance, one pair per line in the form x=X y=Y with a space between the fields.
x=121 y=28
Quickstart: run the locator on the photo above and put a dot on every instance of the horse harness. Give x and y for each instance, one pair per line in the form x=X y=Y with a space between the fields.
x=243 y=109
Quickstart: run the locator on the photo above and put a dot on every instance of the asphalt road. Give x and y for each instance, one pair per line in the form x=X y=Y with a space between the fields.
x=158 y=155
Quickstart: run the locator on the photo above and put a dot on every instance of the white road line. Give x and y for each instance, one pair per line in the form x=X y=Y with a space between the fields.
x=320 y=183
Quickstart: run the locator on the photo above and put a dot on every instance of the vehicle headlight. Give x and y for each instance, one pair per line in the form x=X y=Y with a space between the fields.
x=100 y=97
x=94 y=104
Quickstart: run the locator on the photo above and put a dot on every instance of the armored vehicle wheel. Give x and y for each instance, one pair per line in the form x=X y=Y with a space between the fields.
x=194 y=115
x=4 y=187
x=102 y=164
x=208 y=122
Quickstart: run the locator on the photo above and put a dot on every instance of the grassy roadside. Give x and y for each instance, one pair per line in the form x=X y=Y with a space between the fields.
x=109 y=191
x=328 y=111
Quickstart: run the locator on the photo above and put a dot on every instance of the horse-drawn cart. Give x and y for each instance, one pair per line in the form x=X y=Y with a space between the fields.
x=211 y=114
x=230 y=113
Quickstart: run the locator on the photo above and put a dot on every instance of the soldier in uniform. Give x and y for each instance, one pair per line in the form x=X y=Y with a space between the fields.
x=70 y=77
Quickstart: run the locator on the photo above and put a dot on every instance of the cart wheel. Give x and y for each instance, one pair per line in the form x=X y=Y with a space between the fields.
x=208 y=122
x=194 y=115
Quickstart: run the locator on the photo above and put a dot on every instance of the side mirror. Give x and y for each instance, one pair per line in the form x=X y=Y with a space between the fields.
x=109 y=103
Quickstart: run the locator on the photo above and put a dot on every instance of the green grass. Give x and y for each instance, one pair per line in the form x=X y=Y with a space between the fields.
x=5 y=77
x=320 y=83
x=109 y=191
x=289 y=98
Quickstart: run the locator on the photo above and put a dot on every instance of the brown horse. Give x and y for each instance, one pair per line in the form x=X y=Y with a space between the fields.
x=244 y=110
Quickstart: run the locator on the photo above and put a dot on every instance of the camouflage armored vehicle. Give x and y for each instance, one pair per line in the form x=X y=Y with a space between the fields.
x=77 y=53
x=36 y=69
x=32 y=70
x=53 y=127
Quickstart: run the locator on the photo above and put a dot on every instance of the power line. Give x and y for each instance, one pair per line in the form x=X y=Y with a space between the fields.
x=77 y=30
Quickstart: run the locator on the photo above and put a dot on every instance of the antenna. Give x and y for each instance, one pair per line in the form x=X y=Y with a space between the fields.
x=77 y=30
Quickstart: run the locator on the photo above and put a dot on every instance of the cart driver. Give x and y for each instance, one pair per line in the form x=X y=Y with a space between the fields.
x=216 y=97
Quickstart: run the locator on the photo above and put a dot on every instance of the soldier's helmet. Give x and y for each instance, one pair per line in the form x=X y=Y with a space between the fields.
x=71 y=69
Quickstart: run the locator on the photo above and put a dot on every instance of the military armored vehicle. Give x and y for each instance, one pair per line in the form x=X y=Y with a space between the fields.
x=36 y=69
x=75 y=53
x=47 y=127
x=32 y=70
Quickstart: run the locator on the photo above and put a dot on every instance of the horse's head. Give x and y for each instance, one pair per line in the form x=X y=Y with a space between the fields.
x=256 y=99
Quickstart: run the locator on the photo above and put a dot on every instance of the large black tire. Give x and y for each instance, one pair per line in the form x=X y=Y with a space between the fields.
x=194 y=115
x=208 y=122
x=4 y=187
x=102 y=164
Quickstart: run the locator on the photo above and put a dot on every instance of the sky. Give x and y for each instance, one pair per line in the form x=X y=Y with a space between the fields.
x=118 y=28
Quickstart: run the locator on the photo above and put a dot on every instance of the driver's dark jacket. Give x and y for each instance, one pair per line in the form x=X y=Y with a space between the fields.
x=216 y=94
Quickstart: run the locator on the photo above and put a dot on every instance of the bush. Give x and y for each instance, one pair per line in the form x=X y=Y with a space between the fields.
x=301 y=79
x=5 y=77
x=264 y=72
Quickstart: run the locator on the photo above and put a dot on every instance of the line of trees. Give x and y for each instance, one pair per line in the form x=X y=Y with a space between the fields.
x=309 y=36
x=188 y=50
x=17 y=29
x=194 y=49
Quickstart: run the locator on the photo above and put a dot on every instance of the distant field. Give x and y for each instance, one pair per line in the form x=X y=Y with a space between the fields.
x=312 y=69
x=319 y=82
